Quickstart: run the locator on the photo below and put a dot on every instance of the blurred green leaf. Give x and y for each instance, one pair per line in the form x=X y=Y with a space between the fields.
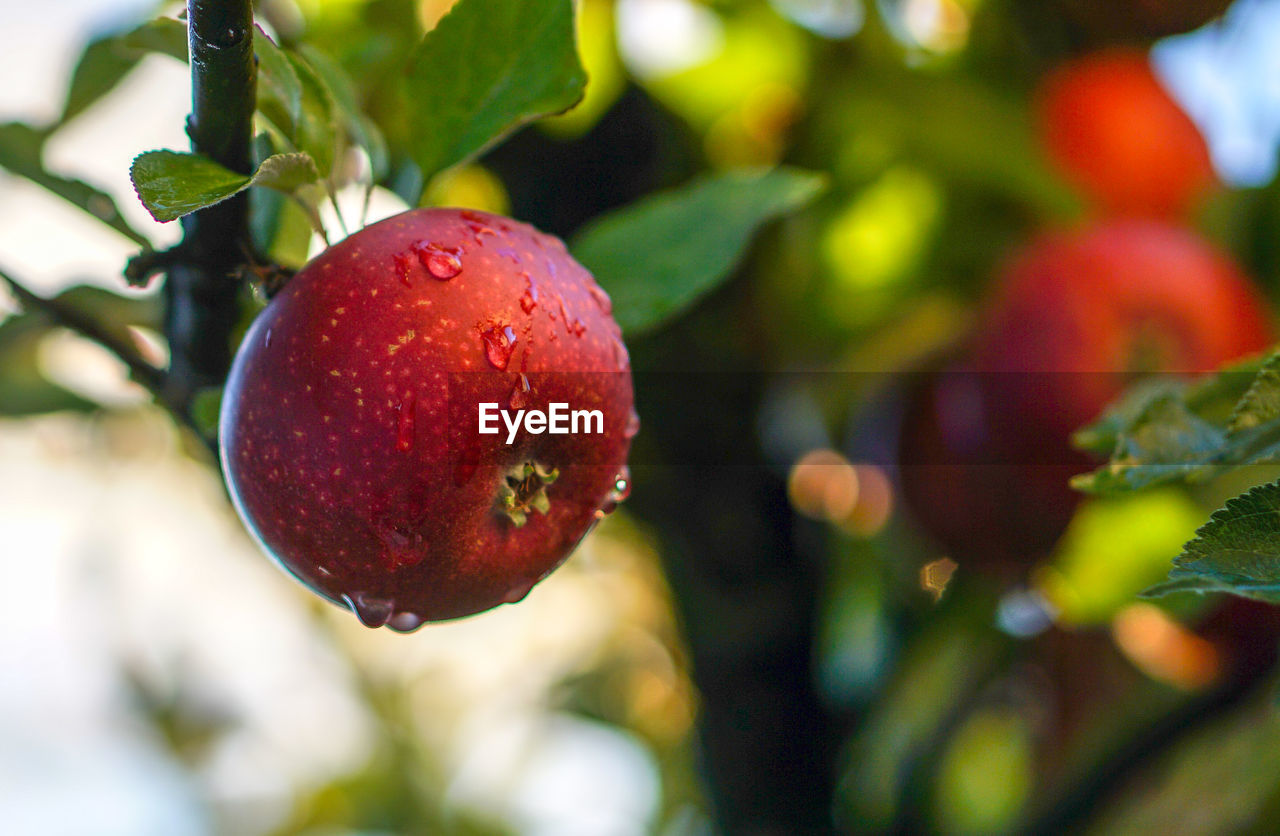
x=106 y=61
x=359 y=127
x=985 y=776
x=23 y=389
x=21 y=152
x=316 y=130
x=488 y=67
x=1237 y=551
x=112 y=311
x=1114 y=549
x=279 y=90
x=164 y=35
x=172 y=184
x=281 y=229
x=660 y=255
x=1167 y=442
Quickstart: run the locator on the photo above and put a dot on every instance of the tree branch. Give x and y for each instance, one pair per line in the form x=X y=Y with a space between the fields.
x=201 y=307
x=1103 y=784
x=151 y=377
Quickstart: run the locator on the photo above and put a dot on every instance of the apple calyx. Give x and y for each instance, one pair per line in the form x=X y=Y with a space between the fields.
x=523 y=490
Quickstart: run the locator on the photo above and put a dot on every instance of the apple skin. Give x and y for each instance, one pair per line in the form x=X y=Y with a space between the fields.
x=1075 y=317
x=1114 y=131
x=349 y=424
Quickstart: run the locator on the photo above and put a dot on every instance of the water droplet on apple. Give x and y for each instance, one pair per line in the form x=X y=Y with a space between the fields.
x=620 y=355
x=529 y=300
x=478 y=231
x=520 y=394
x=404 y=264
x=442 y=262
x=618 y=493
x=518 y=592
x=405 y=622
x=372 y=611
x=405 y=422
x=602 y=298
x=633 y=425
x=621 y=485
x=266 y=339
x=498 y=345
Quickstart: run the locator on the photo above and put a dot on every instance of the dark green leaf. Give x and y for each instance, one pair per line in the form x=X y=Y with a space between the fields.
x=21 y=150
x=171 y=184
x=1237 y=551
x=1261 y=404
x=1168 y=441
x=660 y=255
x=488 y=67
x=1165 y=429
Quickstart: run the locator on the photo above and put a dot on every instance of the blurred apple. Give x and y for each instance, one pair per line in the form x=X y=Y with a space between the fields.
x=1074 y=318
x=1115 y=132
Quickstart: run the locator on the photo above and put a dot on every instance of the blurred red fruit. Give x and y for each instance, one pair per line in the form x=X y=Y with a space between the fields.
x=1115 y=132
x=1075 y=318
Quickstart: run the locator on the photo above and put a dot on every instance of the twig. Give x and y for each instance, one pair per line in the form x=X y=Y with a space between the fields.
x=1075 y=810
x=154 y=379
x=142 y=371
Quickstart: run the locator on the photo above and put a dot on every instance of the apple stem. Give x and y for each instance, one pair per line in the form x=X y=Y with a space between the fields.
x=201 y=293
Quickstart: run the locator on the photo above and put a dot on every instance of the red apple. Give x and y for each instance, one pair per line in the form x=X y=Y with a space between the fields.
x=1075 y=317
x=350 y=425
x=1116 y=133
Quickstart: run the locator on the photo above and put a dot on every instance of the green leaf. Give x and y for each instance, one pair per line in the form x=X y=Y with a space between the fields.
x=1167 y=442
x=1237 y=551
x=164 y=36
x=316 y=132
x=21 y=152
x=23 y=389
x=1165 y=429
x=279 y=90
x=106 y=61
x=487 y=68
x=359 y=127
x=1261 y=404
x=171 y=184
x=661 y=254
